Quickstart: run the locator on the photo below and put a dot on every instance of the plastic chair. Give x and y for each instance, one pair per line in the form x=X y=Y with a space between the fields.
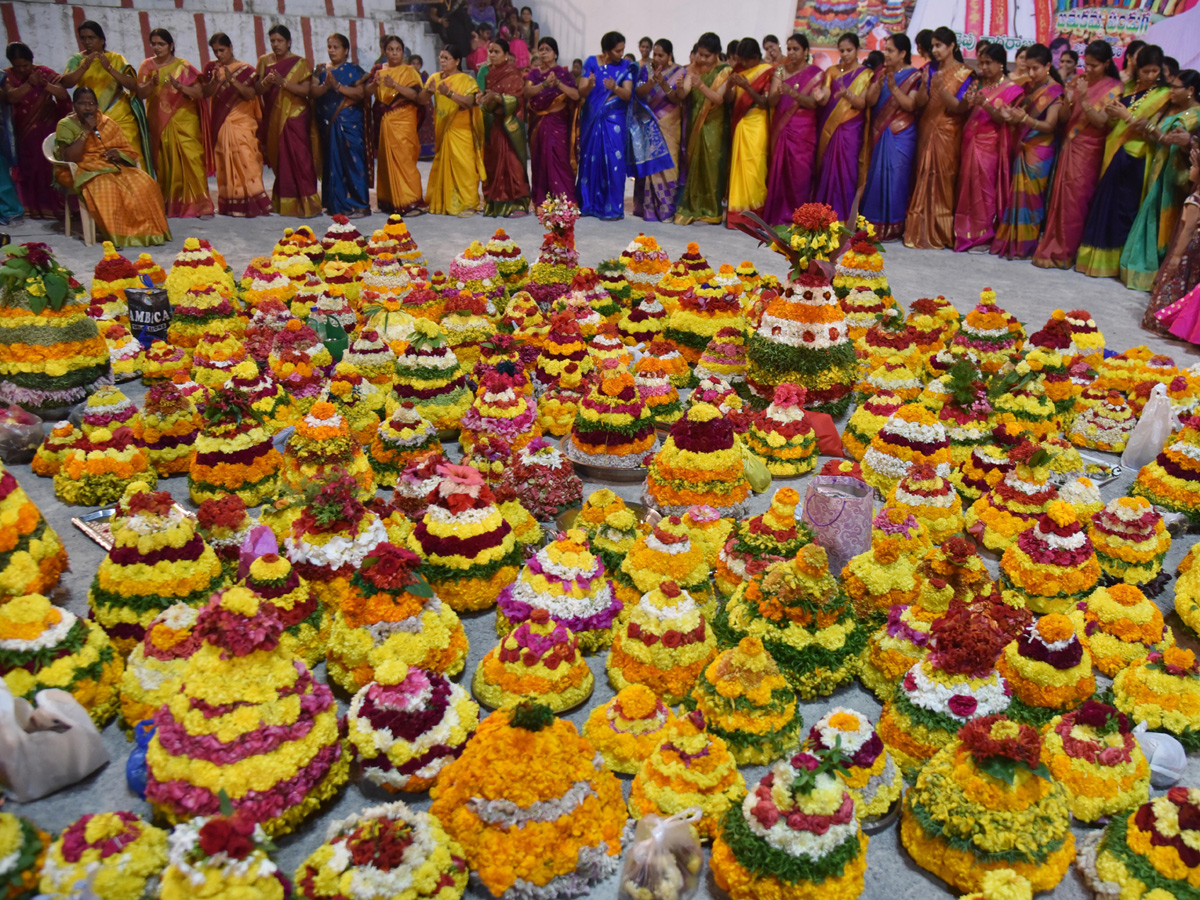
x=86 y=223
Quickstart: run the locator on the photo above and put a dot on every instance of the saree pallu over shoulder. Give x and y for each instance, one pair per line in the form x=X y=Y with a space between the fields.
x=458 y=160
x=930 y=221
x=552 y=124
x=793 y=149
x=34 y=117
x=118 y=104
x=842 y=152
x=1073 y=185
x=604 y=146
x=1021 y=223
x=1123 y=186
x=505 y=151
x=1154 y=227
x=706 y=155
x=398 y=122
x=748 y=162
x=985 y=169
x=179 y=139
x=125 y=202
x=893 y=152
x=345 y=152
x=233 y=122
x=660 y=190
x=289 y=140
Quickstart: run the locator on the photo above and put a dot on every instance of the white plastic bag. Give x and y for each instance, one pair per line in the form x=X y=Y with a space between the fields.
x=48 y=747
x=1152 y=430
x=664 y=861
x=1168 y=759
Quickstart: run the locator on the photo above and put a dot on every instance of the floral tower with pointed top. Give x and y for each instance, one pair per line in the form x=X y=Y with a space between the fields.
x=114 y=273
x=747 y=703
x=644 y=323
x=47 y=647
x=154 y=669
x=794 y=837
x=929 y=498
x=653 y=380
x=269 y=399
x=1162 y=689
x=405 y=435
x=890 y=337
x=267 y=320
x=1017 y=501
x=892 y=375
x=611 y=273
x=701 y=313
x=885 y=575
x=551 y=273
x=665 y=553
x=861 y=264
x=157 y=560
x=867 y=770
x=234 y=454
x=628 y=728
x=193 y=770
x=537 y=661
x=1048 y=670
x=501 y=409
x=757 y=542
x=1106 y=426
x=344 y=243
x=429 y=376
x=645 y=265
x=912 y=436
x=299 y=363
x=805 y=619
x=863 y=310
x=32 y=556
x=215 y=356
x=781 y=435
x=991 y=333
x=690 y=768
x=275 y=580
x=261 y=281
x=985 y=802
x=613 y=426
x=1131 y=540
x=725 y=356
x=196 y=265
x=1051 y=566
x=564 y=345
x=198 y=308
x=699 y=464
x=867 y=420
x=510 y=264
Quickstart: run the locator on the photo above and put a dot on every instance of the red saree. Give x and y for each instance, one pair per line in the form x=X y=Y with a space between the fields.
x=35 y=116
x=289 y=141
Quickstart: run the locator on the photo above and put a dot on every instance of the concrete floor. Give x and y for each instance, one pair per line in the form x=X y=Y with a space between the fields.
x=1032 y=294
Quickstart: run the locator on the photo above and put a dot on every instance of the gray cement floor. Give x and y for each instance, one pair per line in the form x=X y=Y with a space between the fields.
x=1030 y=293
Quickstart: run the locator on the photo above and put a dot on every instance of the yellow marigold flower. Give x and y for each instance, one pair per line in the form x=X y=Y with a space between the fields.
x=270 y=567
x=637 y=701
x=1055 y=627
x=241 y=601
x=1004 y=730
x=1177 y=656
x=391 y=671
x=1125 y=594
x=1062 y=514
x=844 y=721
x=750 y=646
x=103 y=827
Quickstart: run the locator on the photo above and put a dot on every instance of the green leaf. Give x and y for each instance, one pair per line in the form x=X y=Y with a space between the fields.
x=37 y=304
x=226 y=803
x=56 y=289
x=1040 y=457
x=1001 y=768
x=420 y=588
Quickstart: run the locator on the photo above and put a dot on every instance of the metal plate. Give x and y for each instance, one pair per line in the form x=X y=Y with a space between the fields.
x=1100 y=471
x=98 y=525
x=606 y=474
x=876 y=824
x=566 y=520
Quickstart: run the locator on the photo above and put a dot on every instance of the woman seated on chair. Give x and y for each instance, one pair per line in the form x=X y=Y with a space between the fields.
x=125 y=202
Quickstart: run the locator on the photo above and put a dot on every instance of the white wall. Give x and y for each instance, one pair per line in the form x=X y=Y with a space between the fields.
x=578 y=25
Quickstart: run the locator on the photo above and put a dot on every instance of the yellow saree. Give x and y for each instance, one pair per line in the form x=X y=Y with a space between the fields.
x=748 y=162
x=398 y=183
x=458 y=149
x=177 y=139
x=116 y=103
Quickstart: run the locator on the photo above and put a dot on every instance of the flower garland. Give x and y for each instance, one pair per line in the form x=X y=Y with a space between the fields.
x=32 y=556
x=628 y=728
x=125 y=854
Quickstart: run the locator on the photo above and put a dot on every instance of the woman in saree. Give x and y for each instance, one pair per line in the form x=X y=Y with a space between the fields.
x=506 y=187
x=1174 y=306
x=1037 y=116
x=707 y=145
x=286 y=131
x=453 y=188
x=606 y=86
x=125 y=202
x=841 y=163
x=551 y=95
x=233 y=126
x=115 y=84
x=797 y=90
x=942 y=101
x=659 y=89
x=339 y=102
x=170 y=87
x=1122 y=186
x=37 y=101
x=750 y=124
x=983 y=173
x=1150 y=237
x=398 y=112
x=1077 y=171
x=893 y=99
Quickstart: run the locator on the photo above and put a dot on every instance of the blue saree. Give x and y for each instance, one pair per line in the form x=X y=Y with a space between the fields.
x=604 y=142
x=342 y=124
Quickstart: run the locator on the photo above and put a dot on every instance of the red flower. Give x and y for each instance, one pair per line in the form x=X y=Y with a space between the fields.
x=963 y=706
x=672 y=639
x=231 y=836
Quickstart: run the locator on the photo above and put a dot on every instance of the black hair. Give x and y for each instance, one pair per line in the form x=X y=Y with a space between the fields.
x=1190 y=78
x=800 y=39
x=1023 y=50
x=483 y=28
x=996 y=53
x=1102 y=52
x=93 y=27
x=502 y=44
x=901 y=42
x=220 y=39
x=577 y=60
x=1171 y=65
x=710 y=42
x=770 y=39
x=666 y=46
x=1151 y=55
x=748 y=49
x=1040 y=53
x=165 y=35
x=611 y=39
x=851 y=37
x=1069 y=53
x=16 y=50
x=523 y=8
x=282 y=31
x=924 y=41
x=980 y=44
x=874 y=59
x=551 y=43
x=646 y=39
x=81 y=92
x=341 y=39
x=945 y=36
x=453 y=50
x=416 y=56
x=1131 y=52
x=731 y=48
x=388 y=38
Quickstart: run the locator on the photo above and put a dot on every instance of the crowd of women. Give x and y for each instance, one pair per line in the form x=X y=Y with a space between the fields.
x=1068 y=165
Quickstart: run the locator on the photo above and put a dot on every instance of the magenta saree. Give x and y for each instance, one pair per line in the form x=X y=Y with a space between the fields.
x=551 y=121
x=793 y=150
x=289 y=140
x=34 y=117
x=841 y=162
x=984 y=169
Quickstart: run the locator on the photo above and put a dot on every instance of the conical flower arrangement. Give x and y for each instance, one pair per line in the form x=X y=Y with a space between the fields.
x=665 y=553
x=700 y=464
x=268 y=320
x=748 y=704
x=224 y=524
x=702 y=313
x=390 y=613
x=867 y=770
x=563 y=347
x=1021 y=823
x=267 y=397
x=111 y=276
x=1131 y=540
x=197 y=265
x=759 y=541
x=540 y=661
x=653 y=380
x=47 y=647
x=197 y=309
x=1163 y=690
x=1051 y=566
x=234 y=453
x=862 y=308
x=96 y=470
x=511 y=266
x=645 y=265
x=725 y=355
x=690 y=768
x=567 y=581
x=126 y=854
x=110 y=409
x=889 y=338
x=1106 y=426
x=169 y=427
x=929 y=498
x=886 y=574
x=501 y=409
x=261 y=281
x=794 y=836
x=643 y=323
x=429 y=376
x=720 y=393
x=1027 y=409
x=1048 y=670
x=157 y=560
x=299 y=362
x=154 y=670
x=628 y=728
x=807 y=622
x=124 y=350
x=470 y=553
x=275 y=581
x=408 y=724
x=613 y=426
x=892 y=375
x=1016 y=502
x=405 y=435
x=782 y=437
x=322 y=447
x=935 y=321
x=611 y=274
x=1120 y=625
x=192 y=770
x=32 y=557
x=475 y=270
x=911 y=437
x=991 y=333
x=866 y=421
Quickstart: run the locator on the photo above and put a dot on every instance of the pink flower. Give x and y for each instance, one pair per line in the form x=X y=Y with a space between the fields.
x=963 y=706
